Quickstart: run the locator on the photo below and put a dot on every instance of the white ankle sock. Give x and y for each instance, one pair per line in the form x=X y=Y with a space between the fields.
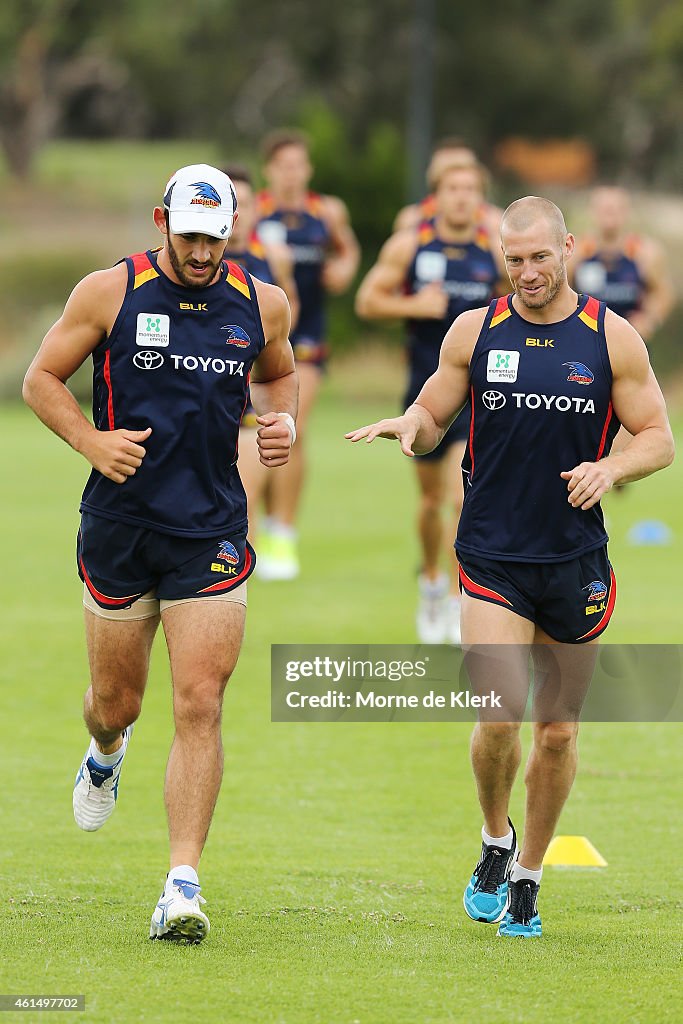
x=105 y=760
x=504 y=841
x=185 y=873
x=519 y=871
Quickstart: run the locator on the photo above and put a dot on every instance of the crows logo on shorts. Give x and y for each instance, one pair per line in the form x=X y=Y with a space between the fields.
x=596 y=590
x=228 y=552
x=580 y=373
x=236 y=336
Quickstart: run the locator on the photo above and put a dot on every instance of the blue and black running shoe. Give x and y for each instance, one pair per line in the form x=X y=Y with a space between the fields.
x=521 y=914
x=486 y=895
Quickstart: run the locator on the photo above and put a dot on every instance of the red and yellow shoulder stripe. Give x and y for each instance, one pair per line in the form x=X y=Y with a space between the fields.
x=256 y=247
x=632 y=246
x=237 y=279
x=314 y=204
x=589 y=313
x=265 y=204
x=143 y=269
x=501 y=311
x=427 y=207
x=426 y=232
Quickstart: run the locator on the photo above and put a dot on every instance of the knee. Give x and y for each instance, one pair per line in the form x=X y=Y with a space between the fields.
x=555 y=737
x=497 y=738
x=115 y=713
x=431 y=502
x=199 y=706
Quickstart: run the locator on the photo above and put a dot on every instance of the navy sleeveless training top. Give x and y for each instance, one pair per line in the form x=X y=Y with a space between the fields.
x=177 y=360
x=307 y=236
x=541 y=404
x=253 y=260
x=467 y=272
x=615 y=280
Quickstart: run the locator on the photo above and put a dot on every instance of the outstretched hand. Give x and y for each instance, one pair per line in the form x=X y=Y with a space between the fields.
x=401 y=428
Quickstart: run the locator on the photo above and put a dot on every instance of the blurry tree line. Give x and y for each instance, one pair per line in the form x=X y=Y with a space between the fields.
x=608 y=73
x=611 y=72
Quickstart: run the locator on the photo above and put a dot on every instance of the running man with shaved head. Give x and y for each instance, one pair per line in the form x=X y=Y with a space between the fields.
x=551 y=374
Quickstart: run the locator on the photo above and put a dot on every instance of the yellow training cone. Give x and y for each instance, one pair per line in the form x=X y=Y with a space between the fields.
x=573 y=852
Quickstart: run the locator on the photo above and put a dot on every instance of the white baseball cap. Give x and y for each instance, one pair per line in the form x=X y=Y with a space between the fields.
x=201 y=200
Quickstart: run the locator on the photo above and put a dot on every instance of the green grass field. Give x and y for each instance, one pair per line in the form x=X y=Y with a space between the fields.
x=338 y=854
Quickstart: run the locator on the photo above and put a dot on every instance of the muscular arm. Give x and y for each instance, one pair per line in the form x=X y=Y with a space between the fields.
x=424 y=423
x=341 y=266
x=380 y=295
x=280 y=260
x=639 y=406
x=88 y=316
x=658 y=300
x=273 y=383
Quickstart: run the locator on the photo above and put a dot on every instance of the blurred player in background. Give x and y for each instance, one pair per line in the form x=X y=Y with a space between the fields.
x=551 y=374
x=271 y=263
x=624 y=269
x=428 y=275
x=450 y=151
x=175 y=335
x=325 y=254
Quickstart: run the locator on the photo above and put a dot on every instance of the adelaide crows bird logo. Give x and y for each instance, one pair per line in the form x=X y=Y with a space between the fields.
x=579 y=373
x=206 y=194
x=236 y=336
x=596 y=590
x=228 y=552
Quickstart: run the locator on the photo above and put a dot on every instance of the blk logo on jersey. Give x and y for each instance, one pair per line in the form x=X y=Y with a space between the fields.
x=502 y=365
x=153 y=330
x=493 y=399
x=597 y=591
x=236 y=336
x=579 y=373
x=147 y=360
x=228 y=552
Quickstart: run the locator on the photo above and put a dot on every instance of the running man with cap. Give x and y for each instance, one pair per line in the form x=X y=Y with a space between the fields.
x=175 y=335
x=550 y=375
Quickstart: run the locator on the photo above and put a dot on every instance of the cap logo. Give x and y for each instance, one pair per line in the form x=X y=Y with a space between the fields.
x=206 y=195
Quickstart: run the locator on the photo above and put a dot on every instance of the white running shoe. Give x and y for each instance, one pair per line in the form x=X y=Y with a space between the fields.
x=279 y=560
x=431 y=610
x=178 y=916
x=96 y=789
x=453 y=634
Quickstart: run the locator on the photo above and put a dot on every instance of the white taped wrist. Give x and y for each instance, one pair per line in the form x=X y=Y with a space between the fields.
x=289 y=420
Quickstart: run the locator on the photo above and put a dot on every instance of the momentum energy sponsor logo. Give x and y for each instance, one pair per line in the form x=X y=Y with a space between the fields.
x=148 y=360
x=153 y=330
x=502 y=365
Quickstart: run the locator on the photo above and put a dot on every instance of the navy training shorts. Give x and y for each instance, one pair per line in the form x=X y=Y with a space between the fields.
x=571 y=601
x=119 y=563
